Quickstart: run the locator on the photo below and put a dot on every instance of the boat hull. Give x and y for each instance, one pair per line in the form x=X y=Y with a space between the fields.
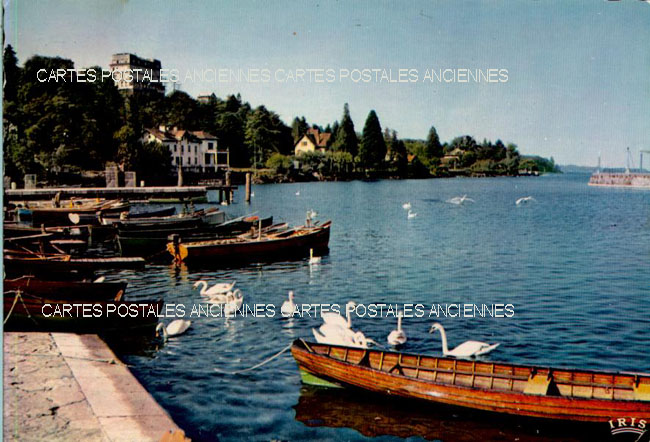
x=472 y=391
x=30 y=313
x=218 y=252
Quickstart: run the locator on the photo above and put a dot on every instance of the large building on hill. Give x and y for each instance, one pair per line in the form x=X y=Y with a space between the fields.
x=136 y=74
x=192 y=150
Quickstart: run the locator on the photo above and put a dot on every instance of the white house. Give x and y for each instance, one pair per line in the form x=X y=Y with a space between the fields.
x=192 y=150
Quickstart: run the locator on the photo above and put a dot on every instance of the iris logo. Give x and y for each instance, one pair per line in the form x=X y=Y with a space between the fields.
x=630 y=425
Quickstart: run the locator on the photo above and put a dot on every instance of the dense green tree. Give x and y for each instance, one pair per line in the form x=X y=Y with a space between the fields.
x=265 y=133
x=346 y=138
x=298 y=128
x=372 y=150
x=433 y=146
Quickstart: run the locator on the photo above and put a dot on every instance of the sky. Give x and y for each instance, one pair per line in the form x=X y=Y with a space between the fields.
x=578 y=72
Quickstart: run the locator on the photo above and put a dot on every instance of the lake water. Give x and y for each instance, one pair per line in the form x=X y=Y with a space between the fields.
x=574 y=263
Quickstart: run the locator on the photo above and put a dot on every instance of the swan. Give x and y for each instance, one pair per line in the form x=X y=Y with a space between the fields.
x=328 y=334
x=524 y=199
x=298 y=193
x=313 y=259
x=234 y=301
x=458 y=200
x=288 y=307
x=174 y=328
x=337 y=319
x=406 y=206
x=397 y=337
x=411 y=215
x=222 y=287
x=465 y=350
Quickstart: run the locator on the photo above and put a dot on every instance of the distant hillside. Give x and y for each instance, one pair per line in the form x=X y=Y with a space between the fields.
x=571 y=168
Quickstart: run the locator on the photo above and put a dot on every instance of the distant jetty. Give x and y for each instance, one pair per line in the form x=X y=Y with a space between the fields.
x=607 y=179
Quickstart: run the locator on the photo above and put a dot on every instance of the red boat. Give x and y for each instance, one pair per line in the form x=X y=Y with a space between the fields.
x=286 y=243
x=574 y=395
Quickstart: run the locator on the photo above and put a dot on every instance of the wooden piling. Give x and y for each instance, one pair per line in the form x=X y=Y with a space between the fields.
x=248 y=187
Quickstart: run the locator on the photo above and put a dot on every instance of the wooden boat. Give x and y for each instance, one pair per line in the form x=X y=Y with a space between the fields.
x=148 y=242
x=26 y=312
x=67 y=290
x=165 y=211
x=13 y=230
x=19 y=263
x=195 y=219
x=56 y=216
x=575 y=395
x=286 y=243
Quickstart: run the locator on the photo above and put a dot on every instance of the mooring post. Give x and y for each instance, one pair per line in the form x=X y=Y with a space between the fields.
x=248 y=187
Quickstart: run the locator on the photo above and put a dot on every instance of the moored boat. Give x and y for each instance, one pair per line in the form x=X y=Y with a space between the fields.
x=19 y=263
x=26 y=312
x=246 y=248
x=67 y=290
x=148 y=242
x=542 y=392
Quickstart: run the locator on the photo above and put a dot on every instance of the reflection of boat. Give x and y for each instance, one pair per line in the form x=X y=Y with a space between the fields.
x=283 y=243
x=520 y=390
x=374 y=415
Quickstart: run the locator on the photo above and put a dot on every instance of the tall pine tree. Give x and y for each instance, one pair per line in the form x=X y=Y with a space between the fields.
x=373 y=147
x=346 y=137
x=433 y=148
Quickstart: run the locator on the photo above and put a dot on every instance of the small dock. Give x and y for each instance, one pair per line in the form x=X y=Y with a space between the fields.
x=63 y=386
x=163 y=194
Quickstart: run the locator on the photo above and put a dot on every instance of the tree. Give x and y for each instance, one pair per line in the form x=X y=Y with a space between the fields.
x=433 y=146
x=346 y=137
x=265 y=133
x=298 y=128
x=373 y=147
x=11 y=74
x=398 y=153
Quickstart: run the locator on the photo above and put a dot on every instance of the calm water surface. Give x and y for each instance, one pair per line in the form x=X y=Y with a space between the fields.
x=574 y=263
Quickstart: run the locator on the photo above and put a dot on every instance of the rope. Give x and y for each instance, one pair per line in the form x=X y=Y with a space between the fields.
x=11 y=309
x=22 y=301
x=264 y=362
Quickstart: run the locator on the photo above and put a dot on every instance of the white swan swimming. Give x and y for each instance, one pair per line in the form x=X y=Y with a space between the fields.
x=298 y=193
x=406 y=206
x=458 y=200
x=411 y=215
x=174 y=328
x=337 y=319
x=288 y=307
x=234 y=301
x=335 y=329
x=219 y=288
x=397 y=337
x=524 y=199
x=465 y=350
x=327 y=334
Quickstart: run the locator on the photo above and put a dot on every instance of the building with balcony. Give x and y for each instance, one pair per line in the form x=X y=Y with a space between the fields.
x=196 y=151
